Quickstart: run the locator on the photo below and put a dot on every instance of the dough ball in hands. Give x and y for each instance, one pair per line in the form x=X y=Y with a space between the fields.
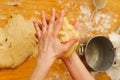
x=67 y=33
x=17 y=42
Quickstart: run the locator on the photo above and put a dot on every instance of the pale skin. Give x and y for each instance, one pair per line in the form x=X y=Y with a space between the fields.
x=50 y=48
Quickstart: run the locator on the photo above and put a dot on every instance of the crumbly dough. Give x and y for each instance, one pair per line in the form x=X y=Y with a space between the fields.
x=17 y=42
x=67 y=33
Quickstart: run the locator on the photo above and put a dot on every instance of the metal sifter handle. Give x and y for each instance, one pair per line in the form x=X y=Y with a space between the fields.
x=81 y=49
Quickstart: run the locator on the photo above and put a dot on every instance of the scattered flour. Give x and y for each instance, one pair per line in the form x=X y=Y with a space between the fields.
x=13 y=3
x=114 y=71
x=102 y=21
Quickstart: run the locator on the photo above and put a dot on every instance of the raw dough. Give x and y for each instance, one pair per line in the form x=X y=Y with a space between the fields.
x=66 y=33
x=17 y=42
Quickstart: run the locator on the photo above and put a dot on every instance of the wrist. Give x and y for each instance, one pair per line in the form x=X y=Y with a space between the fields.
x=42 y=67
x=45 y=59
x=76 y=68
x=70 y=58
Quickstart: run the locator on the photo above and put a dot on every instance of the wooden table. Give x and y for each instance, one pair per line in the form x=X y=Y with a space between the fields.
x=29 y=8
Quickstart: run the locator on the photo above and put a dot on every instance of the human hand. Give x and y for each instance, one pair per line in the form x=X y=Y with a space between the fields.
x=47 y=34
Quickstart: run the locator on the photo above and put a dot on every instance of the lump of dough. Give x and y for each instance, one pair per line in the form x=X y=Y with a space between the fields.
x=67 y=33
x=17 y=42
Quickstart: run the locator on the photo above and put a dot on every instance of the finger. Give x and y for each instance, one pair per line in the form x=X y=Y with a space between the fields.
x=52 y=20
x=44 y=23
x=58 y=27
x=47 y=21
x=40 y=25
x=56 y=17
x=36 y=35
x=76 y=24
x=37 y=28
x=69 y=44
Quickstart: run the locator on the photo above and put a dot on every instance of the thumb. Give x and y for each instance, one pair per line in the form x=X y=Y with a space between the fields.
x=70 y=43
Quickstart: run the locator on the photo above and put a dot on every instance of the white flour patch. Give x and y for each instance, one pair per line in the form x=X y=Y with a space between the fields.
x=114 y=71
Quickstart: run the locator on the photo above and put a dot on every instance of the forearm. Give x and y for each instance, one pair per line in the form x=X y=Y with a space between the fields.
x=41 y=69
x=76 y=68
